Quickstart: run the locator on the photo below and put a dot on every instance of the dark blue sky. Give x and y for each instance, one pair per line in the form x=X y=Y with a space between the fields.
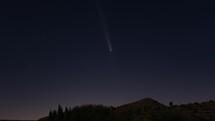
x=56 y=53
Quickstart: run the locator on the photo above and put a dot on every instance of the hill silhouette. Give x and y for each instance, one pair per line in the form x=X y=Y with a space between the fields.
x=139 y=110
x=143 y=110
x=16 y=120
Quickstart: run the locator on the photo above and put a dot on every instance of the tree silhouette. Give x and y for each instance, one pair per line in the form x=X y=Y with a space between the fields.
x=51 y=116
x=55 y=116
x=60 y=113
x=103 y=113
x=66 y=115
x=170 y=103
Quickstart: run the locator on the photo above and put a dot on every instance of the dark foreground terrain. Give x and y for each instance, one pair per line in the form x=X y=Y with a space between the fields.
x=17 y=120
x=143 y=110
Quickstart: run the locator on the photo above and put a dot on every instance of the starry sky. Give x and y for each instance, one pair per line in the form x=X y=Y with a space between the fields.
x=58 y=53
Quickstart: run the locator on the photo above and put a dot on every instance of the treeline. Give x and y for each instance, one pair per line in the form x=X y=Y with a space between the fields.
x=82 y=113
x=104 y=113
x=143 y=110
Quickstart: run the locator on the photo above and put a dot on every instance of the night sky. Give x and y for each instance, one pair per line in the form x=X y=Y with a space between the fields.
x=59 y=53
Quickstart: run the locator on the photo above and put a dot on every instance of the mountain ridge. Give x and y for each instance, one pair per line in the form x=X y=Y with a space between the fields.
x=146 y=109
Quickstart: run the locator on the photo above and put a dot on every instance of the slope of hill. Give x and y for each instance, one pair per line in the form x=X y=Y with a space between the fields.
x=146 y=103
x=143 y=110
x=17 y=120
x=139 y=110
x=204 y=111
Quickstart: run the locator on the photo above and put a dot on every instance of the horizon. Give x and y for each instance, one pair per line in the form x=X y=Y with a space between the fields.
x=102 y=51
x=103 y=105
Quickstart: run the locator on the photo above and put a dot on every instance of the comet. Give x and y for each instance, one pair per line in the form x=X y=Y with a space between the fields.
x=107 y=37
x=105 y=28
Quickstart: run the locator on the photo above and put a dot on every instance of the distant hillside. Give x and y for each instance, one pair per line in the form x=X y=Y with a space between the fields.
x=143 y=110
x=139 y=110
x=17 y=120
x=204 y=111
x=143 y=104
